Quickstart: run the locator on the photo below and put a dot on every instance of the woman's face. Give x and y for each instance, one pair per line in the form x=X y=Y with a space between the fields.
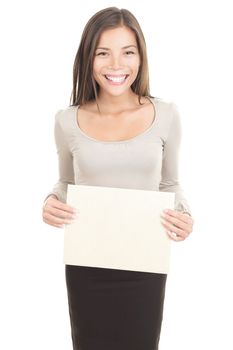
x=116 y=61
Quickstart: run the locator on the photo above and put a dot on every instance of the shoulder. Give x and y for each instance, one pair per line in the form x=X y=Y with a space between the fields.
x=64 y=113
x=166 y=106
x=170 y=111
x=64 y=124
x=63 y=117
x=167 y=110
x=169 y=118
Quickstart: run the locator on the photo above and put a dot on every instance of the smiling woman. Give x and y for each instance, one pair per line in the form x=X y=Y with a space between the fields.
x=115 y=134
x=114 y=62
x=111 y=47
x=115 y=66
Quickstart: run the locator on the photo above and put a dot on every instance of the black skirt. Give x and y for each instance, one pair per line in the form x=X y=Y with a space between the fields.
x=114 y=309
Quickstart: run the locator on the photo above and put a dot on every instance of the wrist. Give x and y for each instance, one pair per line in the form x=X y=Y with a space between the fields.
x=186 y=212
x=47 y=198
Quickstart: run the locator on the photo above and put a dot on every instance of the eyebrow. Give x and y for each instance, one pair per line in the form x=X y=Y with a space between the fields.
x=106 y=48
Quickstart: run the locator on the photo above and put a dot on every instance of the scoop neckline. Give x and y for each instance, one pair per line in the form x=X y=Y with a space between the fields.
x=152 y=100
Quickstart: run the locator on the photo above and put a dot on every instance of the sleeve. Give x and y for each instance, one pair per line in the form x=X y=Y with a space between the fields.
x=170 y=165
x=65 y=162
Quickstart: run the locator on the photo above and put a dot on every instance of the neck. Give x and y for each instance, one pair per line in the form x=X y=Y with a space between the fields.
x=111 y=104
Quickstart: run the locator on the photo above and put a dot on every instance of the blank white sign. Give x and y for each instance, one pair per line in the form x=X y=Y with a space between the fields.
x=118 y=228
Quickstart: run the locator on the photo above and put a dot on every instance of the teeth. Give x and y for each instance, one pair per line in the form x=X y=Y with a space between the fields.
x=116 y=79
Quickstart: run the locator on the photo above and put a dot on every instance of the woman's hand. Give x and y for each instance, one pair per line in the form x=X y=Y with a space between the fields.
x=57 y=213
x=179 y=225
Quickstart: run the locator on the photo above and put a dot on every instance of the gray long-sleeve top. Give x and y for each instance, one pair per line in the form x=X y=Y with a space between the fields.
x=148 y=161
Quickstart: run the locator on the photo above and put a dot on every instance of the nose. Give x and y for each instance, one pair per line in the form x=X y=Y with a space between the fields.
x=115 y=62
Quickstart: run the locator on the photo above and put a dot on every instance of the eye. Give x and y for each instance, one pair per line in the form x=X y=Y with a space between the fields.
x=105 y=53
x=101 y=53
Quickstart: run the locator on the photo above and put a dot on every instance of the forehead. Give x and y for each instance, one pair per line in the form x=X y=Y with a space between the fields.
x=120 y=35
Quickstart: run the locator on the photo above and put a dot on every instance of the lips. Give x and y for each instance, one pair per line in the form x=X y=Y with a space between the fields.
x=116 y=78
x=116 y=75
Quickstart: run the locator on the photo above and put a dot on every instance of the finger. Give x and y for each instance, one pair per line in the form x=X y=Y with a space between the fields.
x=180 y=216
x=62 y=225
x=172 y=228
x=176 y=222
x=60 y=205
x=60 y=213
x=50 y=218
x=59 y=226
x=55 y=225
x=174 y=237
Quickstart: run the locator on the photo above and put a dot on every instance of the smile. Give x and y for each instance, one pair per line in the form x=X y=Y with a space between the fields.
x=116 y=79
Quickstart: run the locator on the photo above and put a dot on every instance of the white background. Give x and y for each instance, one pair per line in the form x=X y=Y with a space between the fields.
x=190 y=64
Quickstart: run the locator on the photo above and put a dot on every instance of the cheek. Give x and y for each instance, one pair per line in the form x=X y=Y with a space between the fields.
x=96 y=71
x=134 y=64
x=97 y=66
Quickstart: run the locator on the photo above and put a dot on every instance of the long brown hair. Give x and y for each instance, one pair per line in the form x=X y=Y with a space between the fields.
x=85 y=88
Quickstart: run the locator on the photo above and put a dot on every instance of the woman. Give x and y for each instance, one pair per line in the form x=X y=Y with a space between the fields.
x=116 y=134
